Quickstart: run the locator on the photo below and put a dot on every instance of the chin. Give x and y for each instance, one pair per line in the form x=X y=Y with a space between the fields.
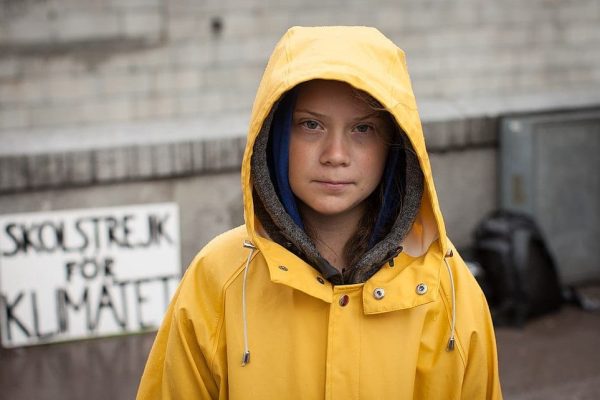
x=331 y=210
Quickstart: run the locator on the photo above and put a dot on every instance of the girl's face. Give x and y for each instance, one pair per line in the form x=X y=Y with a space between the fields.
x=338 y=149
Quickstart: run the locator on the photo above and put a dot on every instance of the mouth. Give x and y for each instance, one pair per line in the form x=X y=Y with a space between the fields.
x=333 y=184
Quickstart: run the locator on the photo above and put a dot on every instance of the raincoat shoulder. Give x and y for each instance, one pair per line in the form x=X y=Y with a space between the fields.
x=187 y=358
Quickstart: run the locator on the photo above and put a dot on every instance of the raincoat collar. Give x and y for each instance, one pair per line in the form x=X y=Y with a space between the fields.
x=402 y=279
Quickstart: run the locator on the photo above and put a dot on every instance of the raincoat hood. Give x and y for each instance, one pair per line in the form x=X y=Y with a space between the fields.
x=369 y=62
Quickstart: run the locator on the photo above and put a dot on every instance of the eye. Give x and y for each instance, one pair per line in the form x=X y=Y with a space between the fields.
x=364 y=128
x=310 y=124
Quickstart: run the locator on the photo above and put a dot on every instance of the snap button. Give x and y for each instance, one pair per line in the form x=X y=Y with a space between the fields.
x=421 y=288
x=379 y=293
x=320 y=280
x=344 y=300
x=283 y=268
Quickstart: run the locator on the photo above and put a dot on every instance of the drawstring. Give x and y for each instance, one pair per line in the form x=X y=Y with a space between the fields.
x=246 y=355
x=450 y=346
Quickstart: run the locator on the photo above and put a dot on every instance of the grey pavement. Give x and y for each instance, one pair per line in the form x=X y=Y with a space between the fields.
x=556 y=357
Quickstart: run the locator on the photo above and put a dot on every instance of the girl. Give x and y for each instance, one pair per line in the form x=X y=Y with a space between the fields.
x=342 y=283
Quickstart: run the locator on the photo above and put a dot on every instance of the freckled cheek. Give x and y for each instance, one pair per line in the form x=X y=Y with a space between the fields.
x=295 y=156
x=372 y=164
x=300 y=151
x=296 y=170
x=373 y=172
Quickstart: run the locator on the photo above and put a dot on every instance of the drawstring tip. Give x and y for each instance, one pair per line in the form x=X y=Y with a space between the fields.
x=450 y=344
x=245 y=358
x=249 y=245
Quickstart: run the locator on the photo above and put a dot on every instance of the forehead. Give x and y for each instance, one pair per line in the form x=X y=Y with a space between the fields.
x=334 y=96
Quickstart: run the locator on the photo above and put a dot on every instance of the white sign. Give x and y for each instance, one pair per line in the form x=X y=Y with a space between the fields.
x=86 y=273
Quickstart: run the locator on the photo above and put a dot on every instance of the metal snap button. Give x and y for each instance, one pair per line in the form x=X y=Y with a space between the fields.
x=344 y=300
x=283 y=268
x=379 y=293
x=320 y=280
x=421 y=288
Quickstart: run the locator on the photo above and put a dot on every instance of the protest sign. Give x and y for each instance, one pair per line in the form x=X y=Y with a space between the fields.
x=76 y=274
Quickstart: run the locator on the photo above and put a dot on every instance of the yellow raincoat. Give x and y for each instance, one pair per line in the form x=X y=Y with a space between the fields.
x=419 y=328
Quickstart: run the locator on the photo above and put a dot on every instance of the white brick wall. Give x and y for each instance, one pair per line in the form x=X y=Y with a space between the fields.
x=72 y=62
x=62 y=21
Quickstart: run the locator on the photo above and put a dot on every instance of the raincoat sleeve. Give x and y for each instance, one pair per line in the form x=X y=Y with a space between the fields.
x=181 y=362
x=476 y=339
x=481 y=380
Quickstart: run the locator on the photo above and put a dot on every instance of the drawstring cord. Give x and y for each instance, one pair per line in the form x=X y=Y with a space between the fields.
x=246 y=355
x=451 y=341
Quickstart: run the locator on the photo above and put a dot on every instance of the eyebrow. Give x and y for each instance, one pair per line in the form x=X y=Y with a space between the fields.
x=375 y=114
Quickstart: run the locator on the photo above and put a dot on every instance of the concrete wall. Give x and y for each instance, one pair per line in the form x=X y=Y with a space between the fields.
x=466 y=182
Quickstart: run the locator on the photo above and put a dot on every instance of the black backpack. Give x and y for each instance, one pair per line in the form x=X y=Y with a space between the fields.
x=520 y=277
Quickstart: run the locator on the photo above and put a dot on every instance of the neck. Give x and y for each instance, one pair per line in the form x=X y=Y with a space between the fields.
x=331 y=233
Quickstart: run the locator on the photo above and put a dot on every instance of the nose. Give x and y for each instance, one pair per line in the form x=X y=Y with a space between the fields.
x=335 y=150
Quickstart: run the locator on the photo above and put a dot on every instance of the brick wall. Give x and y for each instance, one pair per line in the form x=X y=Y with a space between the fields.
x=85 y=62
